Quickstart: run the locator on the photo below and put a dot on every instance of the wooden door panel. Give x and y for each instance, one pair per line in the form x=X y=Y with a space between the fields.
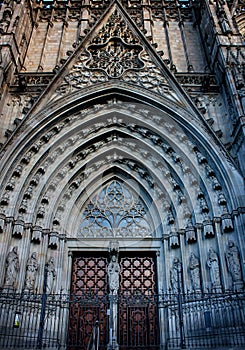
x=137 y=318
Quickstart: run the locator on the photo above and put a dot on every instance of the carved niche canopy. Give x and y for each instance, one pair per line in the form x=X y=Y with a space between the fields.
x=115 y=212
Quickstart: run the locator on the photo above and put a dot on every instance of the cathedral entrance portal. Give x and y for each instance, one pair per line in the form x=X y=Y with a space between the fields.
x=113 y=314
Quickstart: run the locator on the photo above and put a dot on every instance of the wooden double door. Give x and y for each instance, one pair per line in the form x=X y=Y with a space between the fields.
x=134 y=305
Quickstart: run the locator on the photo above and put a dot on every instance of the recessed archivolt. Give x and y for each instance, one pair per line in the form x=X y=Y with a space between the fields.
x=171 y=122
x=106 y=115
x=171 y=199
x=155 y=140
x=41 y=170
x=109 y=163
x=177 y=164
x=176 y=204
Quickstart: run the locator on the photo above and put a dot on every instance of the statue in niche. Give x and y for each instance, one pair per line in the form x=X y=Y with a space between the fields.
x=194 y=266
x=175 y=276
x=5 y=21
x=224 y=23
x=201 y=104
x=223 y=20
x=12 y=267
x=234 y=263
x=51 y=275
x=31 y=272
x=113 y=274
x=213 y=265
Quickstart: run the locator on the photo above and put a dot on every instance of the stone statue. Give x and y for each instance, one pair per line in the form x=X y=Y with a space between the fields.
x=175 y=276
x=234 y=263
x=31 y=272
x=213 y=265
x=5 y=21
x=113 y=274
x=194 y=266
x=224 y=23
x=51 y=275
x=12 y=267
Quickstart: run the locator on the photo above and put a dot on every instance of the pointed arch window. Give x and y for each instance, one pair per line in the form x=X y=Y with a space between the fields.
x=116 y=211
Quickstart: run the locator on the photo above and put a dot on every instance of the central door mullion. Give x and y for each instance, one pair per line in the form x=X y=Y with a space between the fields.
x=113 y=278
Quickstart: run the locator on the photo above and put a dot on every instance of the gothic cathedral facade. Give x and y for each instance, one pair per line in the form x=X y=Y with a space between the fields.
x=122 y=201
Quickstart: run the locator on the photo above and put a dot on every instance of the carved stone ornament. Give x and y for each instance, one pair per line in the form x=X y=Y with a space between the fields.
x=53 y=240
x=18 y=229
x=50 y=275
x=194 y=267
x=31 y=272
x=208 y=229
x=2 y=223
x=12 y=268
x=190 y=233
x=234 y=266
x=36 y=234
x=214 y=269
x=176 y=276
x=174 y=240
x=227 y=224
x=113 y=274
x=116 y=52
x=115 y=212
x=114 y=57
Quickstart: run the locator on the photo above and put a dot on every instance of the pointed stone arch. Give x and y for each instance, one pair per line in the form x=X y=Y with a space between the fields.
x=155 y=129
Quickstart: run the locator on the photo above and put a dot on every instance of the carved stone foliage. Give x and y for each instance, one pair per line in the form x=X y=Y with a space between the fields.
x=149 y=76
x=115 y=212
x=171 y=156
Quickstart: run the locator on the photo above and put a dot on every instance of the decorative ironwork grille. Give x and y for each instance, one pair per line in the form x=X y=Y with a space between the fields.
x=211 y=321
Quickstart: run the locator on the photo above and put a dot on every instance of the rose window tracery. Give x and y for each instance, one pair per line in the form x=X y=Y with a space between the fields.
x=114 y=57
x=115 y=212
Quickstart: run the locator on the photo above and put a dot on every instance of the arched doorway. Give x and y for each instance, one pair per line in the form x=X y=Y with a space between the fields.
x=127 y=319
x=123 y=315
